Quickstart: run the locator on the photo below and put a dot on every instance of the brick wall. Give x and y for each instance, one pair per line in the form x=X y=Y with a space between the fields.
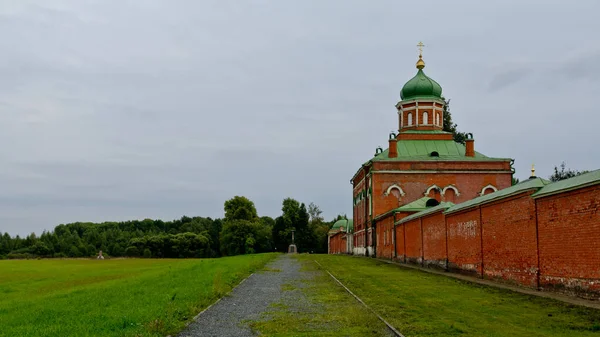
x=412 y=243
x=569 y=241
x=385 y=243
x=434 y=240
x=414 y=185
x=400 y=243
x=464 y=241
x=509 y=240
x=550 y=241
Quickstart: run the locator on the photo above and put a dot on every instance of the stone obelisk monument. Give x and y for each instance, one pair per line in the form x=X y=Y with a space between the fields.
x=292 y=248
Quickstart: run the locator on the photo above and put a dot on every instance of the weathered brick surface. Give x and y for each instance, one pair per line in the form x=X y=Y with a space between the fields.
x=434 y=240
x=385 y=243
x=415 y=185
x=464 y=241
x=509 y=240
x=413 y=246
x=400 y=243
x=569 y=240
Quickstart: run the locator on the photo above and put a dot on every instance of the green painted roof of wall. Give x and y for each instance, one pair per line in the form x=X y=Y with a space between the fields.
x=415 y=206
x=430 y=210
x=420 y=150
x=421 y=86
x=346 y=223
x=586 y=179
x=529 y=184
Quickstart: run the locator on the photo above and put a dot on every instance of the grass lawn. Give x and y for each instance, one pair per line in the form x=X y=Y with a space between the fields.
x=317 y=306
x=122 y=297
x=422 y=304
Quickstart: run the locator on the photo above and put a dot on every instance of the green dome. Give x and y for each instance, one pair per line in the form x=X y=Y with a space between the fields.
x=421 y=86
x=347 y=224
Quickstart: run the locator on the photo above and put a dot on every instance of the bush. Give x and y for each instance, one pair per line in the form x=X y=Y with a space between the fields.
x=132 y=251
x=20 y=256
x=147 y=253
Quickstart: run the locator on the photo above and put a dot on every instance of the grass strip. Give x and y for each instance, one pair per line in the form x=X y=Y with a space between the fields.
x=423 y=304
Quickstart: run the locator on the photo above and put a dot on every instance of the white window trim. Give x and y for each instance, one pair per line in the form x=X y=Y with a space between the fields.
x=451 y=187
x=488 y=186
x=431 y=188
x=389 y=190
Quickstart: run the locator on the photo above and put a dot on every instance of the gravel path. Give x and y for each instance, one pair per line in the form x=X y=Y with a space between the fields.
x=247 y=302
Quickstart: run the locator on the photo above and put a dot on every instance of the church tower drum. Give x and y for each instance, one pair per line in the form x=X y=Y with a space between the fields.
x=421 y=106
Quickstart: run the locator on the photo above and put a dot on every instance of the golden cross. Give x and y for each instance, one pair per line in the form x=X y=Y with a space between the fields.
x=420 y=45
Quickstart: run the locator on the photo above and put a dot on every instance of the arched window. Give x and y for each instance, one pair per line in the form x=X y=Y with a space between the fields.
x=395 y=190
x=425 y=119
x=488 y=189
x=409 y=119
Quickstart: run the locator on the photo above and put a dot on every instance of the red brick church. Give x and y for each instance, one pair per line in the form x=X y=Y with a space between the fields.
x=431 y=201
x=422 y=166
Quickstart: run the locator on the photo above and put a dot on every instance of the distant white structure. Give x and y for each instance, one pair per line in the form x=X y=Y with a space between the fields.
x=100 y=257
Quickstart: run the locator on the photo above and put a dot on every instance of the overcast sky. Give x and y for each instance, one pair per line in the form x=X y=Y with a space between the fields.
x=115 y=110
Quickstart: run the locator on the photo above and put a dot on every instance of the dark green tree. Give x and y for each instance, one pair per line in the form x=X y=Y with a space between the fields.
x=318 y=227
x=243 y=232
x=450 y=126
x=240 y=208
x=295 y=216
x=564 y=173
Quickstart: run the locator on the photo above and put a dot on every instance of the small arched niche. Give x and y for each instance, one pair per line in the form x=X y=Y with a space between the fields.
x=394 y=190
x=488 y=189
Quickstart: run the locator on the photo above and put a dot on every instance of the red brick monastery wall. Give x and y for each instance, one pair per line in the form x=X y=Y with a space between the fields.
x=434 y=240
x=464 y=241
x=509 y=240
x=569 y=240
x=548 y=242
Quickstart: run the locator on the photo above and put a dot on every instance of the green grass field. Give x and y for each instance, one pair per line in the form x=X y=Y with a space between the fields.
x=121 y=297
x=423 y=304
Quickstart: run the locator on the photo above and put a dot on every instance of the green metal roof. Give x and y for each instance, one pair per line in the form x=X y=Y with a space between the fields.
x=430 y=210
x=348 y=224
x=421 y=86
x=529 y=184
x=415 y=206
x=584 y=180
x=420 y=150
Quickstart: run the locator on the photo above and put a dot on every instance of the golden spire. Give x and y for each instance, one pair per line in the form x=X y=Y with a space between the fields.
x=420 y=62
x=532 y=170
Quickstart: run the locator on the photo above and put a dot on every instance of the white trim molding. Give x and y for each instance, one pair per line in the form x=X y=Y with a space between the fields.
x=432 y=187
x=488 y=186
x=451 y=187
x=389 y=190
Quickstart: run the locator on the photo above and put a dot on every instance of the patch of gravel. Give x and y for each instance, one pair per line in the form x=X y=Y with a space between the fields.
x=230 y=316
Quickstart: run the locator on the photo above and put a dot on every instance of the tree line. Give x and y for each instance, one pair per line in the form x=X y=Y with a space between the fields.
x=241 y=231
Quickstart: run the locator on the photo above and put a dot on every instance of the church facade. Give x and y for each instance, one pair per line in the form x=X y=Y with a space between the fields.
x=422 y=167
x=430 y=201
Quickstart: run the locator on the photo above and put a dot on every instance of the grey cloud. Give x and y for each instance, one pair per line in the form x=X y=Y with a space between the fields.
x=115 y=110
x=508 y=77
